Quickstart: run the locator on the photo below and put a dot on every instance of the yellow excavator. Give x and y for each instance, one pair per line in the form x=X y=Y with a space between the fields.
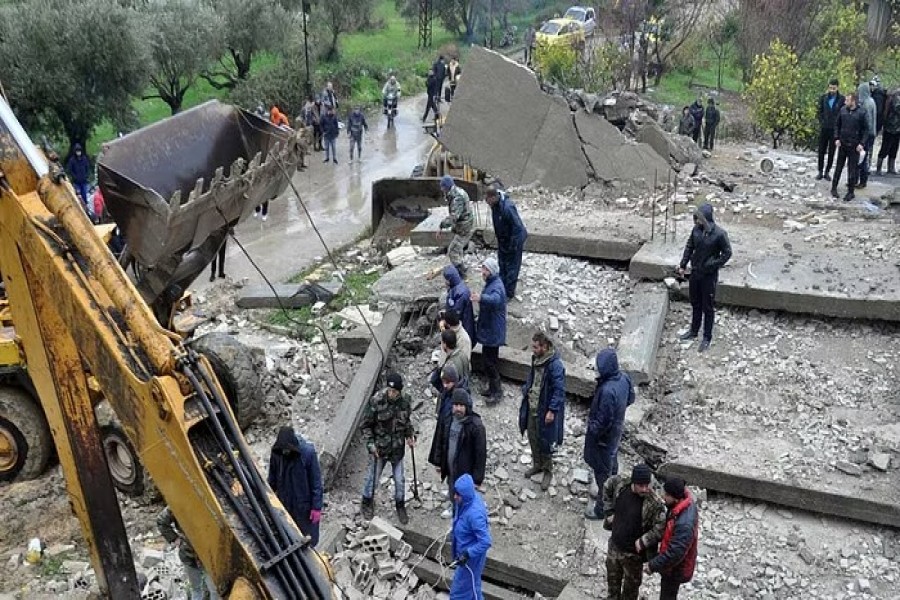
x=85 y=332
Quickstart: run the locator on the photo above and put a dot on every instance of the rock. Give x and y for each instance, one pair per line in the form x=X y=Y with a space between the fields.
x=398 y=256
x=73 y=567
x=581 y=476
x=849 y=468
x=152 y=557
x=864 y=585
x=554 y=323
x=880 y=461
x=501 y=473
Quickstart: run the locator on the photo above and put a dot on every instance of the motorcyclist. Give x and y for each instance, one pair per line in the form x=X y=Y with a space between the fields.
x=391 y=88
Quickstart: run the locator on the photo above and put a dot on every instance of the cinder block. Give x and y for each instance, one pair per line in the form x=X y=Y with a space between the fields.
x=377 y=543
x=378 y=525
x=404 y=551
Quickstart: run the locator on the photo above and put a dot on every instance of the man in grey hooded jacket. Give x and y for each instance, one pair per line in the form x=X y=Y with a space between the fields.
x=867 y=104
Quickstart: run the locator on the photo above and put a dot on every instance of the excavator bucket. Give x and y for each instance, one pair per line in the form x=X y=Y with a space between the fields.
x=176 y=187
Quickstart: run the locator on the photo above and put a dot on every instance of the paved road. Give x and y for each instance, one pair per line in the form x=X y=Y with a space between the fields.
x=337 y=196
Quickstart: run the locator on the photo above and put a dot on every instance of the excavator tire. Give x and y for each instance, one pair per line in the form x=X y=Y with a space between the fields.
x=236 y=369
x=25 y=441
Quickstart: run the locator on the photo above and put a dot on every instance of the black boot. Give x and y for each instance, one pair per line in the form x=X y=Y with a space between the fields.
x=401 y=513
x=878 y=165
x=495 y=392
x=891 y=170
x=367 y=508
x=834 y=193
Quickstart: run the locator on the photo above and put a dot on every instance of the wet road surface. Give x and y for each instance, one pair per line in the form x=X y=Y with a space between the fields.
x=337 y=196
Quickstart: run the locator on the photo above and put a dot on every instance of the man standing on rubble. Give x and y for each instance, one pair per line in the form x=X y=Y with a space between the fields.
x=697 y=111
x=450 y=320
x=511 y=235
x=851 y=132
x=295 y=477
x=386 y=426
x=827 y=110
x=542 y=411
x=491 y=330
x=606 y=420
x=452 y=355
x=460 y=443
x=636 y=517
x=459 y=300
x=471 y=541
x=460 y=221
x=707 y=249
x=678 y=550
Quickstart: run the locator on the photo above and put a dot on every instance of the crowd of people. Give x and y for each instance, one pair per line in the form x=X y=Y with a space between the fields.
x=698 y=122
x=849 y=126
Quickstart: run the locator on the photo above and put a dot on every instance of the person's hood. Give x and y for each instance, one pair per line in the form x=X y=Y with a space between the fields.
x=863 y=92
x=465 y=487
x=705 y=212
x=712 y=102
x=698 y=102
x=540 y=362
x=287 y=441
x=607 y=364
x=78 y=147
x=451 y=274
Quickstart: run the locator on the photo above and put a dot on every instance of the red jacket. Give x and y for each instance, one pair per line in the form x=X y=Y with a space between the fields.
x=678 y=550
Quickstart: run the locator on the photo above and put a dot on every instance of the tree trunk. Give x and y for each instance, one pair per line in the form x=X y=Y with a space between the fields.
x=719 y=74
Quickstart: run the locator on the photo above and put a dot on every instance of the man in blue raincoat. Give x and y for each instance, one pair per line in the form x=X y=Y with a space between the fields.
x=296 y=479
x=471 y=541
x=511 y=235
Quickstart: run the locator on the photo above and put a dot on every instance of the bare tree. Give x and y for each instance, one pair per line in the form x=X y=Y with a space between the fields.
x=721 y=36
x=760 y=22
x=678 y=20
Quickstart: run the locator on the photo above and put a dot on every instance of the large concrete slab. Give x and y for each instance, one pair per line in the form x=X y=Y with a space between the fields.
x=789 y=273
x=807 y=495
x=503 y=123
x=608 y=240
x=515 y=365
x=287 y=295
x=348 y=416
x=642 y=331
x=613 y=157
x=411 y=282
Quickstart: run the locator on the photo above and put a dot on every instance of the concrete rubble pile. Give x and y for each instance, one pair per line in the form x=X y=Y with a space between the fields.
x=502 y=122
x=375 y=562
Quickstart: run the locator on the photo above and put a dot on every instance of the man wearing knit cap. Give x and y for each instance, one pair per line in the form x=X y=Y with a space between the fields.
x=386 y=426
x=678 y=551
x=491 y=329
x=636 y=516
x=460 y=443
x=460 y=221
x=543 y=408
x=464 y=337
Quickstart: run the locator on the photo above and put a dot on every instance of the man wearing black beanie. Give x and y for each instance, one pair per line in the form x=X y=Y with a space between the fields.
x=636 y=517
x=678 y=550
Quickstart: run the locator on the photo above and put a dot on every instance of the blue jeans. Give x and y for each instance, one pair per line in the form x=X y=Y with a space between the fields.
x=374 y=474
x=331 y=149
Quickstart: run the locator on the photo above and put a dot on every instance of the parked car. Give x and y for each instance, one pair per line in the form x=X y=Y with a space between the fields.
x=558 y=32
x=584 y=15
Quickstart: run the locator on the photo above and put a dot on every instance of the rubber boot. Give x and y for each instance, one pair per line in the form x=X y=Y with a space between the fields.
x=495 y=392
x=878 y=165
x=891 y=170
x=368 y=508
x=547 y=479
x=401 y=513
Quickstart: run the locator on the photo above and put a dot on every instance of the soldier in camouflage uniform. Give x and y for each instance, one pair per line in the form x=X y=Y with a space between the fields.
x=635 y=513
x=460 y=221
x=386 y=427
x=199 y=582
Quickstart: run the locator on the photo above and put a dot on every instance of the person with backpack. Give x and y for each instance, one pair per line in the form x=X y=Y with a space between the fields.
x=890 y=139
x=356 y=124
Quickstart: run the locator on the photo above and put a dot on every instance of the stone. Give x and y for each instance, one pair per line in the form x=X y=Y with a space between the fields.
x=581 y=476
x=501 y=473
x=151 y=558
x=57 y=549
x=863 y=585
x=880 y=461
x=398 y=256
x=74 y=567
x=849 y=468
x=554 y=323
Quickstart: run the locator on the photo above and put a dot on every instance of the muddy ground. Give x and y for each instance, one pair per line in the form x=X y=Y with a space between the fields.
x=787 y=396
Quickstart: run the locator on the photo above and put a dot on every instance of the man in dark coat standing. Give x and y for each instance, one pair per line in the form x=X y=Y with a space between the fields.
x=296 y=479
x=491 y=330
x=711 y=122
x=696 y=110
x=433 y=87
x=707 y=249
x=511 y=235
x=678 y=550
x=459 y=299
x=330 y=131
x=827 y=110
x=79 y=168
x=543 y=408
x=851 y=132
x=614 y=393
x=460 y=443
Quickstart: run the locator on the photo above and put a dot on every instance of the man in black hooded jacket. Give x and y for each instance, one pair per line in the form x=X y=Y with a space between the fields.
x=460 y=442
x=296 y=479
x=851 y=132
x=707 y=249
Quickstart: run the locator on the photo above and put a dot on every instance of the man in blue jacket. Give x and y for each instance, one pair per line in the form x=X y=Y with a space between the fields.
x=79 y=168
x=543 y=408
x=491 y=330
x=614 y=393
x=330 y=130
x=471 y=541
x=459 y=299
x=296 y=479
x=511 y=235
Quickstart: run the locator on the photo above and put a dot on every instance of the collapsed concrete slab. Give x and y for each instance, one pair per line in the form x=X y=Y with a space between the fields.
x=414 y=281
x=503 y=123
x=798 y=276
x=348 y=416
x=287 y=295
x=516 y=364
x=804 y=495
x=642 y=331
x=680 y=149
x=612 y=157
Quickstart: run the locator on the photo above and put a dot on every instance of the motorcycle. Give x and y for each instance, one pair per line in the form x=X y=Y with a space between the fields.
x=390 y=109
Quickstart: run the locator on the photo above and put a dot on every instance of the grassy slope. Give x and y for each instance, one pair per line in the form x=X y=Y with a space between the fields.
x=680 y=87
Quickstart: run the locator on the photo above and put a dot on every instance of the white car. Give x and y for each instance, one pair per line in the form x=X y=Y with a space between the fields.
x=586 y=16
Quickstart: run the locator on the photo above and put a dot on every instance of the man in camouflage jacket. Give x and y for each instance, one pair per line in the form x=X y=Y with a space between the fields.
x=386 y=427
x=635 y=513
x=460 y=221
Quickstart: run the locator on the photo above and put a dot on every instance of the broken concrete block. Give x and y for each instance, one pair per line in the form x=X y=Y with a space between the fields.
x=404 y=551
x=377 y=544
x=642 y=331
x=581 y=476
x=151 y=558
x=378 y=526
x=880 y=461
x=849 y=468
x=75 y=566
x=554 y=323
x=352 y=314
x=400 y=255
x=288 y=295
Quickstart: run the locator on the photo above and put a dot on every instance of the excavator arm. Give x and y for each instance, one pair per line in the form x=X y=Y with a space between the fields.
x=77 y=314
